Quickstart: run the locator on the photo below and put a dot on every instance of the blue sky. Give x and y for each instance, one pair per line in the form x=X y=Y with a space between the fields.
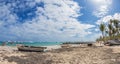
x=55 y=20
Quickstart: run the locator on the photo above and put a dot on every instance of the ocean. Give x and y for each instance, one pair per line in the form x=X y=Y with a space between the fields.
x=32 y=43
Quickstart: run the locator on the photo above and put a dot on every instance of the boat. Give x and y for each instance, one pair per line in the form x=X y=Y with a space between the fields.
x=31 y=48
x=113 y=42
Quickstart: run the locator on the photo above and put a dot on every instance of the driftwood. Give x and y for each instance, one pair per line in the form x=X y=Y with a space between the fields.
x=65 y=45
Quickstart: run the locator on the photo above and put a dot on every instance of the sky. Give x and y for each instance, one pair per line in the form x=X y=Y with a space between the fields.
x=55 y=20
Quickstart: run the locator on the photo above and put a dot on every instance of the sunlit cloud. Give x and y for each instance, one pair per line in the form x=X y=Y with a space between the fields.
x=53 y=20
x=108 y=17
x=101 y=7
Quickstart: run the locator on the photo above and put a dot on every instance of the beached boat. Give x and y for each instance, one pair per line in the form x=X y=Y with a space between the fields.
x=31 y=48
x=113 y=42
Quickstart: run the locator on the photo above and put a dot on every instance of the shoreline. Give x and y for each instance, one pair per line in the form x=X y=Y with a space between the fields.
x=50 y=47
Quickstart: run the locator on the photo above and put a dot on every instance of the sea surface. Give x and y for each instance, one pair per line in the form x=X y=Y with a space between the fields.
x=32 y=43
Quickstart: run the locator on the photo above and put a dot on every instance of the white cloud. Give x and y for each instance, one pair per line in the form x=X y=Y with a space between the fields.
x=102 y=11
x=6 y=17
x=107 y=18
x=102 y=7
x=55 y=22
x=96 y=29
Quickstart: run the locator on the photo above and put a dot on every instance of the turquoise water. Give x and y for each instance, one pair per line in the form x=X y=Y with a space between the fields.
x=33 y=43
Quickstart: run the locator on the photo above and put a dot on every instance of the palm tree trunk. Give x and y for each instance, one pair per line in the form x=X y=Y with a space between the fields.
x=103 y=37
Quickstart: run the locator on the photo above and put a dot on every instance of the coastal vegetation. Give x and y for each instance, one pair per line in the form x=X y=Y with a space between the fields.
x=109 y=30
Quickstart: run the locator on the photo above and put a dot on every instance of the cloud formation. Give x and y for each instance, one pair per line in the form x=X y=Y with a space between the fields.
x=102 y=7
x=47 y=20
x=108 y=17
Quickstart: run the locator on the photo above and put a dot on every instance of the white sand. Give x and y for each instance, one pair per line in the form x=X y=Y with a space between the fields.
x=7 y=49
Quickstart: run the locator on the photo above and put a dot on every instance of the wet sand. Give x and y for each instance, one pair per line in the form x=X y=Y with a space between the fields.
x=73 y=55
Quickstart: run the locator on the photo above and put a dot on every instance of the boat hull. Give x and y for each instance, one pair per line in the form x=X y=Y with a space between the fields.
x=31 y=48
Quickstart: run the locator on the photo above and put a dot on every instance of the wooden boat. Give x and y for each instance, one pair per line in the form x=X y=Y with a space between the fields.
x=31 y=48
x=112 y=42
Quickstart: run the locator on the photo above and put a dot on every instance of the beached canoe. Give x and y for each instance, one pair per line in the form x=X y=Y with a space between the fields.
x=31 y=48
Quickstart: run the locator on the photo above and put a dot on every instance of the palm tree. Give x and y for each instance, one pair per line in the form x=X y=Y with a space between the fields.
x=113 y=27
x=110 y=27
x=114 y=32
x=102 y=29
x=116 y=25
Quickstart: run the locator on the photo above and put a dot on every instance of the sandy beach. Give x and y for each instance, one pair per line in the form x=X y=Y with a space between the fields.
x=73 y=55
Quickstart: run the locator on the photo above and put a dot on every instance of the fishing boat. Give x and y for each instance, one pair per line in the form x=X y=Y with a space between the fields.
x=112 y=42
x=31 y=48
